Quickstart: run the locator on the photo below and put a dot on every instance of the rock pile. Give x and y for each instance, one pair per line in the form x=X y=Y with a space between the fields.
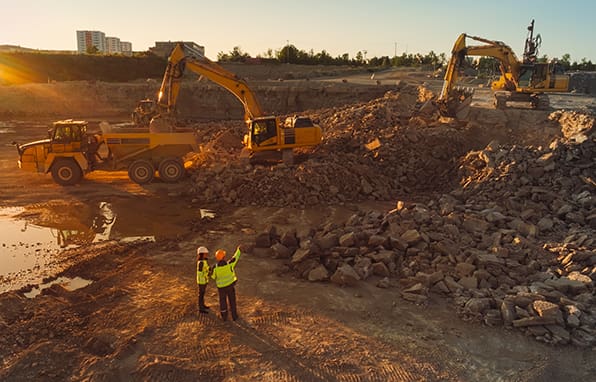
x=583 y=82
x=513 y=245
x=371 y=151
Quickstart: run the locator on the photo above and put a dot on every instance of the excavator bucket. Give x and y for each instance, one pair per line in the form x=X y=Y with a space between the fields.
x=458 y=104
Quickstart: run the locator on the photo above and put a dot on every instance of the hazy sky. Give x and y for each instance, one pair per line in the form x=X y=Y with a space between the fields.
x=380 y=27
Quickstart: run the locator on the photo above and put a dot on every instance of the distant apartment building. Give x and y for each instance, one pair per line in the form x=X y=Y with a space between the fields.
x=126 y=48
x=164 y=48
x=87 y=39
x=112 y=45
x=106 y=45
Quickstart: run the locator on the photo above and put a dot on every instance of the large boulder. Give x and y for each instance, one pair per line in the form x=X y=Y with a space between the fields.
x=345 y=275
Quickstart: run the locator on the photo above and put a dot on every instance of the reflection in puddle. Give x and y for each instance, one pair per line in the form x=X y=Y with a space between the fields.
x=27 y=250
x=67 y=283
x=23 y=246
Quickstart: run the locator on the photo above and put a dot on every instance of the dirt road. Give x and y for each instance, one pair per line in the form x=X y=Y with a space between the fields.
x=137 y=319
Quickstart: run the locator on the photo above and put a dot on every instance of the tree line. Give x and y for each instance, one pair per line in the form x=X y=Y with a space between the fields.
x=292 y=55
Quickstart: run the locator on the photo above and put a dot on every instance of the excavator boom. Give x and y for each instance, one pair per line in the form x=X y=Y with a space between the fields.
x=455 y=102
x=265 y=132
x=178 y=62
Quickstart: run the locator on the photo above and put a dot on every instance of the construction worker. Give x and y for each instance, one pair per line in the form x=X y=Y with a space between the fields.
x=202 y=277
x=225 y=279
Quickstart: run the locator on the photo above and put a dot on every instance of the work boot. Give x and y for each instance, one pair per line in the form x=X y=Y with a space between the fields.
x=203 y=310
x=224 y=316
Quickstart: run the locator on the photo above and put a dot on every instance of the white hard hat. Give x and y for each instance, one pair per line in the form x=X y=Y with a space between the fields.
x=202 y=249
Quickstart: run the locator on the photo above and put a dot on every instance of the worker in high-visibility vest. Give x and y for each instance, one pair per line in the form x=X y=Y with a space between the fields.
x=202 y=277
x=225 y=279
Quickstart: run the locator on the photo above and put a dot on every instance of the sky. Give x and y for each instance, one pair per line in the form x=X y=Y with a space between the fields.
x=377 y=27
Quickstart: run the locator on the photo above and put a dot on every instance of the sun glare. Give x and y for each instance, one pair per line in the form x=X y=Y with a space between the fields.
x=11 y=74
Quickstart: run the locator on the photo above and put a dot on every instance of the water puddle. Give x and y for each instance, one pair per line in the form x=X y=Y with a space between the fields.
x=32 y=239
x=23 y=245
x=65 y=282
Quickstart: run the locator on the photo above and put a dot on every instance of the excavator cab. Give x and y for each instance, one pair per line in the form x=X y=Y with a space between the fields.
x=146 y=109
x=263 y=131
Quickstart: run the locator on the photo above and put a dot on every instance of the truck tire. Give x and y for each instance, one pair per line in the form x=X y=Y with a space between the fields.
x=66 y=172
x=141 y=171
x=171 y=170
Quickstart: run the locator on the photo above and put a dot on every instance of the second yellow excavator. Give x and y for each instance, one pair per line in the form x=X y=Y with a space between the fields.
x=520 y=81
x=265 y=133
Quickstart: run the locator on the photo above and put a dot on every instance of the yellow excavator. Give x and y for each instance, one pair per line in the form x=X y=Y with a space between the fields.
x=520 y=81
x=265 y=132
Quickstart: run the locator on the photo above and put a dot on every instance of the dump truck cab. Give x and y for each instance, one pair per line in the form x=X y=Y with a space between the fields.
x=65 y=153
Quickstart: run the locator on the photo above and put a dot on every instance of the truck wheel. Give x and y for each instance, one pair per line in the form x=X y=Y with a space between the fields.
x=171 y=170
x=141 y=171
x=66 y=172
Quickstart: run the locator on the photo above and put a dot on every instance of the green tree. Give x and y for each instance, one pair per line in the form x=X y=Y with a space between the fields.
x=565 y=61
x=487 y=66
x=92 y=49
x=288 y=54
x=235 y=55
x=359 y=59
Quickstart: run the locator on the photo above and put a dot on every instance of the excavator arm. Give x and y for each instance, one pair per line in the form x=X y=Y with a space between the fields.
x=178 y=62
x=455 y=101
x=264 y=132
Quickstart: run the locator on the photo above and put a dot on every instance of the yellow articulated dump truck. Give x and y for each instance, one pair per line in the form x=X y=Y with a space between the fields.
x=70 y=152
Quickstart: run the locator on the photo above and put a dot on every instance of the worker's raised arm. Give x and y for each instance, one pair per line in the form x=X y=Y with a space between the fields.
x=234 y=260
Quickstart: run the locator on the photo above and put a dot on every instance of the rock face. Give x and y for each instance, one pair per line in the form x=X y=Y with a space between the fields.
x=511 y=242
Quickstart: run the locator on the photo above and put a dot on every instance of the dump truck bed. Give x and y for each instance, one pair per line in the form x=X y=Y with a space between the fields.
x=125 y=145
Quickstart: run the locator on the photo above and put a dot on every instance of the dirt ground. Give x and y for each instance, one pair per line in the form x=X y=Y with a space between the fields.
x=137 y=320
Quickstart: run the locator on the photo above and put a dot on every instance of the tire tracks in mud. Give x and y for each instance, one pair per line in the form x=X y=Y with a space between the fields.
x=263 y=335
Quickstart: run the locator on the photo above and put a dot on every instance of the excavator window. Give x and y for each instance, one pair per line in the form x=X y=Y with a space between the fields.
x=539 y=74
x=303 y=122
x=525 y=76
x=263 y=130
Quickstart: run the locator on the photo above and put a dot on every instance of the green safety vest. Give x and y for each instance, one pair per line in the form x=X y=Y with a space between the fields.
x=224 y=275
x=203 y=275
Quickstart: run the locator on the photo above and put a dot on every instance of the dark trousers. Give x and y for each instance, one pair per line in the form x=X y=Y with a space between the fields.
x=227 y=294
x=202 y=288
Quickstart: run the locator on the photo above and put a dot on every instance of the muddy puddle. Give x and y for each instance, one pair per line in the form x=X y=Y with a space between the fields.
x=67 y=283
x=32 y=238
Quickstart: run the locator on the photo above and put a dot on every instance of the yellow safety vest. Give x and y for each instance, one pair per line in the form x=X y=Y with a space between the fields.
x=224 y=275
x=203 y=275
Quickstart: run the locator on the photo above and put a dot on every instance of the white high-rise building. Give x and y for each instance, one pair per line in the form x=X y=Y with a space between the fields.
x=87 y=39
x=105 y=45
x=112 y=45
